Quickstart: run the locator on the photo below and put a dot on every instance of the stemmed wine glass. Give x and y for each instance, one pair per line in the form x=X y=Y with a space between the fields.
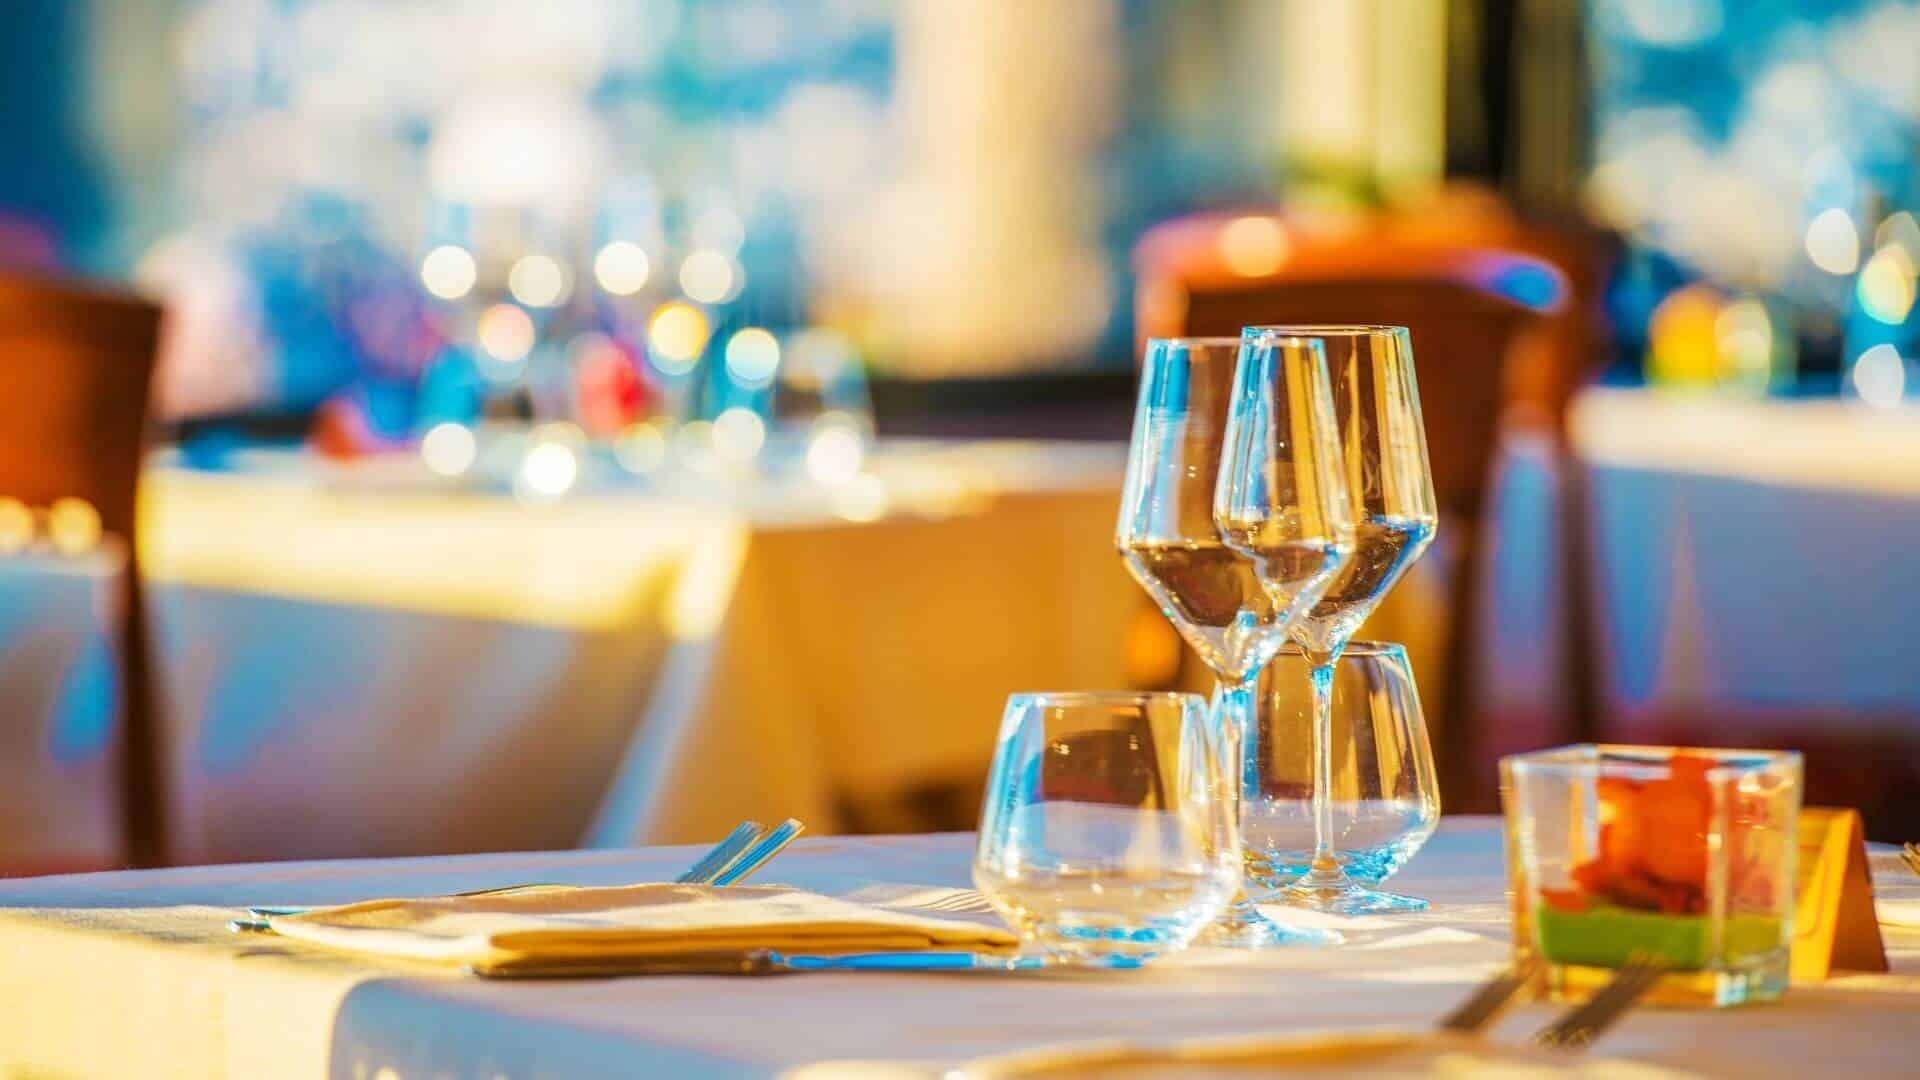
x=1390 y=487
x=1172 y=547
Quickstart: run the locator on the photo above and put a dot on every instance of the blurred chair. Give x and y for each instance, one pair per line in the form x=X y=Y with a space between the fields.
x=1499 y=339
x=78 y=363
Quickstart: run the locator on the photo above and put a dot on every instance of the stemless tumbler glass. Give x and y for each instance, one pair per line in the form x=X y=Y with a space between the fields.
x=1105 y=838
x=1383 y=797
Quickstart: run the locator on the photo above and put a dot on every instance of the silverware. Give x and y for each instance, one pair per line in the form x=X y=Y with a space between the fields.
x=964 y=902
x=763 y=849
x=1490 y=1000
x=1911 y=853
x=1585 y=1023
x=723 y=855
x=768 y=962
x=729 y=854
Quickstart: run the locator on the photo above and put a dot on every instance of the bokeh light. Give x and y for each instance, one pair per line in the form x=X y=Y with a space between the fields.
x=676 y=337
x=449 y=449
x=1833 y=243
x=1886 y=286
x=1880 y=376
x=552 y=464
x=622 y=268
x=753 y=355
x=73 y=525
x=1253 y=246
x=1744 y=335
x=738 y=434
x=710 y=277
x=506 y=332
x=836 y=451
x=448 y=272
x=16 y=526
x=642 y=449
x=538 y=281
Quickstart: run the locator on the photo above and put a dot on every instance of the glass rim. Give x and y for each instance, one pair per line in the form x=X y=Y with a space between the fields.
x=1092 y=697
x=1210 y=341
x=1364 y=649
x=1320 y=330
x=1591 y=758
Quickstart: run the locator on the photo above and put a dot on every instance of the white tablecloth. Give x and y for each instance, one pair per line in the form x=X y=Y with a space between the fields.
x=357 y=666
x=133 y=974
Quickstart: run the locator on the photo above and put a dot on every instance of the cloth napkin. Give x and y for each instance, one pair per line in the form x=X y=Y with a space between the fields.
x=626 y=929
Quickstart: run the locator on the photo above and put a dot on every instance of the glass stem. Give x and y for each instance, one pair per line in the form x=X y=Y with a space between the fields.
x=1325 y=869
x=1233 y=712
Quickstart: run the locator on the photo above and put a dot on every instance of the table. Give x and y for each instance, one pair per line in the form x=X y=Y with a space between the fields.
x=1751 y=573
x=133 y=974
x=359 y=662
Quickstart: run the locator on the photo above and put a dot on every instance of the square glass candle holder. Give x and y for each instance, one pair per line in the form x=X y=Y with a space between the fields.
x=1679 y=857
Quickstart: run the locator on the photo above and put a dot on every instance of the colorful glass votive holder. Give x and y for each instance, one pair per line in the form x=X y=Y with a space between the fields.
x=1681 y=858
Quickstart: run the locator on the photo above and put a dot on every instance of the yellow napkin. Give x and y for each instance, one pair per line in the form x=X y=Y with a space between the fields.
x=626 y=928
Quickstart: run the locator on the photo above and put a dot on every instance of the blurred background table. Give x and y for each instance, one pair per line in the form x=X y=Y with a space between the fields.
x=357 y=669
x=1741 y=565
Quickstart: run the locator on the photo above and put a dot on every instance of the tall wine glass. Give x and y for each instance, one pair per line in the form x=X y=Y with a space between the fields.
x=1208 y=590
x=1390 y=486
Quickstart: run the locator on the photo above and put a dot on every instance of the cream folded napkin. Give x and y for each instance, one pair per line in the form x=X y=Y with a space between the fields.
x=628 y=928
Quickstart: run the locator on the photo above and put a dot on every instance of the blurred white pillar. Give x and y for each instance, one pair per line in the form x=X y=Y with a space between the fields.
x=985 y=255
x=1363 y=86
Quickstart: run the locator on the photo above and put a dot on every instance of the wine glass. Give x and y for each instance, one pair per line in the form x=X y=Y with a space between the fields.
x=1209 y=590
x=1390 y=486
x=1385 y=799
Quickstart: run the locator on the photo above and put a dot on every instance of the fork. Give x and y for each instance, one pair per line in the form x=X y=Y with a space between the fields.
x=736 y=856
x=1490 y=999
x=1585 y=1023
x=964 y=902
x=1910 y=852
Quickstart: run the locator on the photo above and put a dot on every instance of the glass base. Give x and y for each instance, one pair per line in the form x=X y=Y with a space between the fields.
x=1764 y=981
x=1241 y=926
x=1345 y=897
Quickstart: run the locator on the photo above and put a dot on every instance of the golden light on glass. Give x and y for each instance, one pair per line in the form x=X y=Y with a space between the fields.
x=538 y=281
x=753 y=355
x=863 y=498
x=738 y=434
x=641 y=449
x=1880 y=376
x=1253 y=246
x=1833 y=242
x=709 y=277
x=73 y=525
x=835 y=451
x=676 y=337
x=1886 y=286
x=506 y=332
x=449 y=449
x=622 y=268
x=448 y=272
x=1744 y=334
